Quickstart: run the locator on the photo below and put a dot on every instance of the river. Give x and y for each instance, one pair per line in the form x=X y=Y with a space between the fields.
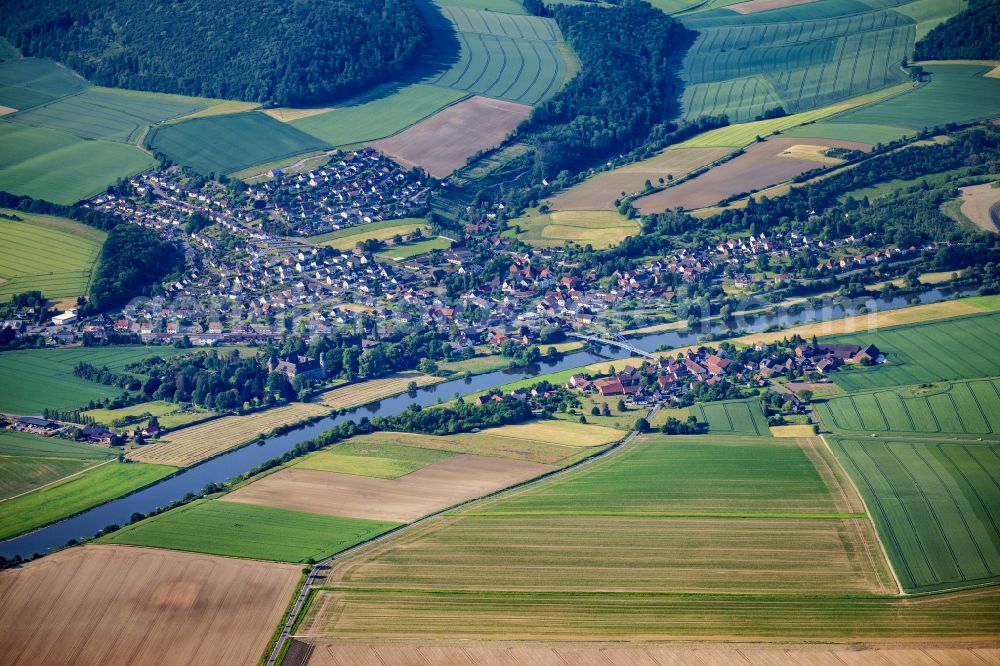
x=238 y=461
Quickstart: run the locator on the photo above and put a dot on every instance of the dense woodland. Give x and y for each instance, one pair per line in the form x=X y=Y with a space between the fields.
x=971 y=34
x=269 y=51
x=626 y=85
x=133 y=258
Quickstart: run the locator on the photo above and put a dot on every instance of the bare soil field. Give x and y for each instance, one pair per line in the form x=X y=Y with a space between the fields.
x=599 y=192
x=443 y=142
x=191 y=445
x=760 y=166
x=349 y=653
x=403 y=499
x=981 y=204
x=119 y=605
x=361 y=393
x=754 y=6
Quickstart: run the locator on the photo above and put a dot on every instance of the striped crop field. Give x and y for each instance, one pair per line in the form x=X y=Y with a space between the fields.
x=959 y=348
x=53 y=255
x=732 y=417
x=935 y=505
x=955 y=408
x=29 y=82
x=362 y=393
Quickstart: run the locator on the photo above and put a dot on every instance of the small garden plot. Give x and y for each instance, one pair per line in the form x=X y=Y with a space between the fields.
x=372 y=390
x=244 y=530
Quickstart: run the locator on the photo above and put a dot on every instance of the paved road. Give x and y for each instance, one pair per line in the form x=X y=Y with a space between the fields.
x=322 y=566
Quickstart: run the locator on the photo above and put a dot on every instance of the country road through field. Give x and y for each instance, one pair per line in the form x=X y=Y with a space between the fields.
x=303 y=594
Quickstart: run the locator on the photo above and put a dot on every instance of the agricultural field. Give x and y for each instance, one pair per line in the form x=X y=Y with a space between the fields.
x=930 y=13
x=29 y=82
x=872 y=134
x=52 y=383
x=970 y=95
x=762 y=164
x=107 y=113
x=233 y=529
x=431 y=488
x=51 y=254
x=505 y=56
x=599 y=192
x=169 y=414
x=703 y=517
x=79 y=493
x=28 y=462
x=375 y=118
x=62 y=168
x=559 y=432
x=381 y=460
x=372 y=390
x=952 y=408
x=981 y=204
x=799 y=57
x=193 y=444
x=959 y=348
x=444 y=142
x=936 y=506
x=166 y=607
x=348 y=239
x=503 y=6
x=599 y=228
x=224 y=144
x=732 y=417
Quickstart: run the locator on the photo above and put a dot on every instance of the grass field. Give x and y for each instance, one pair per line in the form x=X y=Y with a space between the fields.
x=191 y=445
x=850 y=131
x=930 y=13
x=960 y=348
x=600 y=228
x=59 y=167
x=21 y=444
x=953 y=408
x=969 y=95
x=106 y=113
x=96 y=486
x=224 y=144
x=50 y=381
x=937 y=507
x=380 y=117
x=361 y=393
x=415 y=248
x=29 y=82
x=170 y=415
x=347 y=239
x=51 y=254
x=504 y=6
x=29 y=461
x=245 y=530
x=732 y=417
x=382 y=460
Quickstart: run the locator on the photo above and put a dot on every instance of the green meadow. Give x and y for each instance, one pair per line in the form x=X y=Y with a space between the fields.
x=29 y=461
x=732 y=417
x=371 y=458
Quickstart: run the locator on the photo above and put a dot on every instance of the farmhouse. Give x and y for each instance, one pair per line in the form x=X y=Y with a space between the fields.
x=35 y=425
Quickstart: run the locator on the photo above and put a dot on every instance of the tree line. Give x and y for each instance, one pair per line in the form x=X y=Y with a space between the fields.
x=971 y=34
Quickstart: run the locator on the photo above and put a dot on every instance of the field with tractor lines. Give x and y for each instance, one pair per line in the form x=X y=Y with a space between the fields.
x=371 y=390
x=936 y=507
x=29 y=82
x=732 y=417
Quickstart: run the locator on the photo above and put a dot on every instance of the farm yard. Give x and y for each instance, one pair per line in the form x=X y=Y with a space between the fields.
x=52 y=383
x=243 y=530
x=431 y=488
x=935 y=505
x=600 y=191
x=28 y=461
x=953 y=408
x=51 y=254
x=442 y=143
x=348 y=239
x=166 y=607
x=224 y=144
x=761 y=165
x=79 y=493
x=732 y=417
x=362 y=393
x=193 y=444
x=599 y=228
x=958 y=348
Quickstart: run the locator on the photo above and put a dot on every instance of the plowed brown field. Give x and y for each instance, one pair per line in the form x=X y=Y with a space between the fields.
x=112 y=605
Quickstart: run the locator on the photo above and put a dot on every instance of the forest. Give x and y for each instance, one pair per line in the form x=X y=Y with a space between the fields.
x=626 y=85
x=972 y=34
x=269 y=51
x=132 y=258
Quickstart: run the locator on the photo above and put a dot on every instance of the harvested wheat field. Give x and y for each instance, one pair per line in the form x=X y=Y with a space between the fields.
x=349 y=653
x=566 y=433
x=443 y=142
x=403 y=499
x=760 y=166
x=981 y=204
x=600 y=191
x=355 y=395
x=754 y=6
x=118 y=605
x=188 y=446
